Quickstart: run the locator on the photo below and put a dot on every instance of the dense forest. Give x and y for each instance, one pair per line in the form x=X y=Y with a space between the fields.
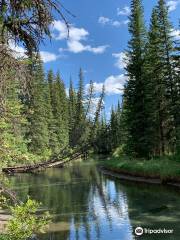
x=147 y=123
x=40 y=124
x=41 y=118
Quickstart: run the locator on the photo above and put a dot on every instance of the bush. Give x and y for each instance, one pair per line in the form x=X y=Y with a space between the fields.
x=25 y=222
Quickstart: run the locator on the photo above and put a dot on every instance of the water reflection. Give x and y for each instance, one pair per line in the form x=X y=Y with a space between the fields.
x=86 y=204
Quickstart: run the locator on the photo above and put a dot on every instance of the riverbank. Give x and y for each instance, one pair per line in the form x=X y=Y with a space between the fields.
x=160 y=171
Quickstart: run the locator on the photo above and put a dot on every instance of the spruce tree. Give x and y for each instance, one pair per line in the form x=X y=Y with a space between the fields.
x=80 y=97
x=72 y=113
x=13 y=145
x=155 y=101
x=59 y=109
x=53 y=140
x=80 y=111
x=120 y=130
x=38 y=130
x=166 y=52
x=114 y=129
x=61 y=112
x=176 y=66
x=134 y=95
x=102 y=144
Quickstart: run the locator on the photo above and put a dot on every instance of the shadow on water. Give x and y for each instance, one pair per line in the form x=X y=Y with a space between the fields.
x=87 y=205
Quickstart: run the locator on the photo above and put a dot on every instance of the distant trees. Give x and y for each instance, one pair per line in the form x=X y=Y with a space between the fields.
x=110 y=134
x=48 y=120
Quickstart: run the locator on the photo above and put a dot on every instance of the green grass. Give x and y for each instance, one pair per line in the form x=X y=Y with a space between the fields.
x=166 y=168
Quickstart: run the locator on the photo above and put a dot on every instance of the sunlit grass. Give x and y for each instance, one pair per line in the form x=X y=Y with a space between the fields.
x=164 y=167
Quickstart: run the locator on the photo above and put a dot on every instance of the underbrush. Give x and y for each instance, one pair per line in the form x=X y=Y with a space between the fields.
x=167 y=167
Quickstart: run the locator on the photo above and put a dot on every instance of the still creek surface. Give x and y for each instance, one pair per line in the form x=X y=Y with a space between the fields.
x=88 y=205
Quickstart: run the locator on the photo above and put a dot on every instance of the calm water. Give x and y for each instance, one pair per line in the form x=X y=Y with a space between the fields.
x=87 y=205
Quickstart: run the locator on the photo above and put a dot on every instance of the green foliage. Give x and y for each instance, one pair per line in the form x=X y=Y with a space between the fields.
x=38 y=125
x=151 y=95
x=24 y=222
x=13 y=146
x=72 y=114
x=59 y=119
x=134 y=95
x=16 y=21
x=102 y=143
x=166 y=168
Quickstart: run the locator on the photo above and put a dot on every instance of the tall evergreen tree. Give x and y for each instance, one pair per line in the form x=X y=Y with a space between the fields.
x=80 y=111
x=59 y=108
x=80 y=97
x=61 y=112
x=13 y=146
x=166 y=52
x=53 y=140
x=155 y=102
x=72 y=113
x=176 y=65
x=103 y=139
x=134 y=95
x=38 y=130
x=114 y=129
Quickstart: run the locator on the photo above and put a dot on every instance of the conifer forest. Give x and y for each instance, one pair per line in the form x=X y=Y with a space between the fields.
x=61 y=147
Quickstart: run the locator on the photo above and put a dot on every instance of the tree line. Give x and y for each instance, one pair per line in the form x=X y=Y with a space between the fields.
x=148 y=122
x=38 y=118
x=45 y=120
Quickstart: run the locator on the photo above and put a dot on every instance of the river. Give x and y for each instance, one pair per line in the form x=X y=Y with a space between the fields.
x=87 y=205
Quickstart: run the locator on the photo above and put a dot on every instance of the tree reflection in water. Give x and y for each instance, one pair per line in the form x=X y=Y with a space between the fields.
x=85 y=204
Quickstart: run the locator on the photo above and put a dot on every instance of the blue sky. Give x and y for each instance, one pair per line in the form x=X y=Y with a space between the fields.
x=98 y=38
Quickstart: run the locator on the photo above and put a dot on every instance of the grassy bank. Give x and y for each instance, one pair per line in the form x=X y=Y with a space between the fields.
x=166 y=168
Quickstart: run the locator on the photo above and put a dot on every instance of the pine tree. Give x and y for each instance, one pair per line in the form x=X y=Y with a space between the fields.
x=53 y=140
x=156 y=103
x=72 y=113
x=59 y=109
x=80 y=111
x=102 y=144
x=61 y=112
x=38 y=131
x=134 y=95
x=13 y=146
x=166 y=51
x=176 y=67
x=114 y=129
x=80 y=97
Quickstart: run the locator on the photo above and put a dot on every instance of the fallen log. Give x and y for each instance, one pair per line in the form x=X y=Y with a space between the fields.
x=41 y=166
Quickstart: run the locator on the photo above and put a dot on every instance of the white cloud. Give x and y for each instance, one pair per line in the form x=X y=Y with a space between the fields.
x=121 y=60
x=125 y=21
x=172 y=5
x=103 y=20
x=48 y=57
x=74 y=38
x=114 y=84
x=77 y=47
x=107 y=21
x=116 y=23
x=175 y=33
x=17 y=51
x=124 y=12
